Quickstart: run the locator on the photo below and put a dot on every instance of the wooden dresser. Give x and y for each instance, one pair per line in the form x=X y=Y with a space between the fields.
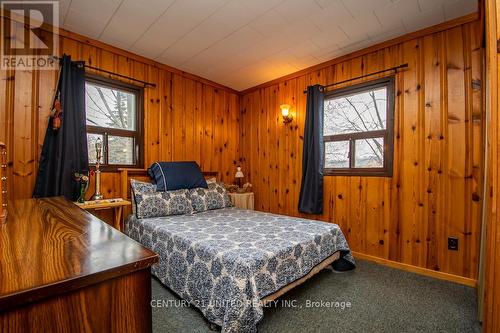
x=3 y=183
x=64 y=270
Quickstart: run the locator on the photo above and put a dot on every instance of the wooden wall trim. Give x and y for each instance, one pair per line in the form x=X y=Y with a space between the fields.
x=107 y=47
x=491 y=271
x=398 y=40
x=418 y=270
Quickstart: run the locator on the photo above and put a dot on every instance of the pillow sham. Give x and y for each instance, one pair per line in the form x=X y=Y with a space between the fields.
x=171 y=176
x=211 y=180
x=214 y=197
x=157 y=204
x=141 y=188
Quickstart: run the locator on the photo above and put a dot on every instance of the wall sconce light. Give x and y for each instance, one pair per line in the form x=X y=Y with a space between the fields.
x=285 y=112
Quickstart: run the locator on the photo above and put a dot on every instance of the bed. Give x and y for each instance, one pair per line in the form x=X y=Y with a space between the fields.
x=229 y=262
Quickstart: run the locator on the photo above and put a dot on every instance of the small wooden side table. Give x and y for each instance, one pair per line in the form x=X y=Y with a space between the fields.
x=115 y=204
x=242 y=200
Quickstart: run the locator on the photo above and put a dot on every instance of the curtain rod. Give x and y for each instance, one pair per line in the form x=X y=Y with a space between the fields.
x=145 y=83
x=363 y=76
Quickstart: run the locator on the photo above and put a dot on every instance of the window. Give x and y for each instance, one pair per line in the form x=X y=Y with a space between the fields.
x=358 y=129
x=114 y=115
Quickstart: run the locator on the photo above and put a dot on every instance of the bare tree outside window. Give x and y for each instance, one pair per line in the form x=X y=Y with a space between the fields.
x=358 y=128
x=113 y=116
x=108 y=107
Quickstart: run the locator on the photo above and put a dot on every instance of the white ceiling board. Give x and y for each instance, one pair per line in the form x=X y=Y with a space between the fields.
x=426 y=5
x=422 y=20
x=333 y=15
x=226 y=47
x=360 y=27
x=292 y=10
x=90 y=27
x=180 y=18
x=388 y=34
x=304 y=62
x=454 y=10
x=301 y=30
x=63 y=10
x=242 y=43
x=260 y=7
x=345 y=49
x=399 y=9
x=359 y=8
x=329 y=39
x=215 y=28
x=121 y=28
x=329 y=55
x=268 y=22
x=83 y=18
x=302 y=50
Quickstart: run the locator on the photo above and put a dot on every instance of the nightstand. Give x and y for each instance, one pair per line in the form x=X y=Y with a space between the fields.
x=242 y=200
x=115 y=204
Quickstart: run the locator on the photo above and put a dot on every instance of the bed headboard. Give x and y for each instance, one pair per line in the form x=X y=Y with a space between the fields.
x=142 y=175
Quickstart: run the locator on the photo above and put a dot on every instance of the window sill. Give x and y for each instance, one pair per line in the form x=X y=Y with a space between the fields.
x=116 y=168
x=358 y=172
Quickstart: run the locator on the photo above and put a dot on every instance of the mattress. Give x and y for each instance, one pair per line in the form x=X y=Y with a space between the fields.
x=225 y=261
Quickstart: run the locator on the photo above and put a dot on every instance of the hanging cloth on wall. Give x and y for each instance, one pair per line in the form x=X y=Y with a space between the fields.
x=311 y=190
x=64 y=151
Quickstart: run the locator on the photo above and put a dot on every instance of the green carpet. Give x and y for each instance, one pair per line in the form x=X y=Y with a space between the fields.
x=382 y=299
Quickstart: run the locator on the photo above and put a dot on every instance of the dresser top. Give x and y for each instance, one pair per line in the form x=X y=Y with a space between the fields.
x=50 y=246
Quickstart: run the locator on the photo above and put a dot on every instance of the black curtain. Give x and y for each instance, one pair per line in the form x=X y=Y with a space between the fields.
x=311 y=190
x=64 y=151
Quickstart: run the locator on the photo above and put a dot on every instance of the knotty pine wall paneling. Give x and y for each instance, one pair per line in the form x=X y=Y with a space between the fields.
x=186 y=118
x=436 y=189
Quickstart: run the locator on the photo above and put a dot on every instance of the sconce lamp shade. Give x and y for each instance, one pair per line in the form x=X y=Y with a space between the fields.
x=239 y=173
x=285 y=112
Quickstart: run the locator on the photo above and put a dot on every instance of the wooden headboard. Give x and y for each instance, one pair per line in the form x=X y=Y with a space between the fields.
x=142 y=175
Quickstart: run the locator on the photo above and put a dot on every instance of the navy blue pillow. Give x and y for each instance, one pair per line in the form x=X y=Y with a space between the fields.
x=171 y=176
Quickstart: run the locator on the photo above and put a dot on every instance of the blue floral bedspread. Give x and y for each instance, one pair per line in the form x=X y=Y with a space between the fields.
x=224 y=261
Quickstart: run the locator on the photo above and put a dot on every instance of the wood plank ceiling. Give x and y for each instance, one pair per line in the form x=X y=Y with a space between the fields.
x=241 y=43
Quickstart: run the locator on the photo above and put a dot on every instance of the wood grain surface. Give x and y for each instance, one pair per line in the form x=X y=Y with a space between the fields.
x=490 y=282
x=3 y=182
x=436 y=190
x=119 y=305
x=50 y=246
x=186 y=117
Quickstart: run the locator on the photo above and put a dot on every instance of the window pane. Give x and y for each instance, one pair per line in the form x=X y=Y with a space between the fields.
x=108 y=107
x=369 y=153
x=359 y=112
x=91 y=140
x=121 y=150
x=337 y=154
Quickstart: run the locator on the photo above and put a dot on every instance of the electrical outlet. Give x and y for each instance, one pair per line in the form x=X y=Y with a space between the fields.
x=453 y=243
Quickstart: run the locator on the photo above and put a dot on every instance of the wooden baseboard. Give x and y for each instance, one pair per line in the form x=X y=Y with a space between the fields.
x=418 y=270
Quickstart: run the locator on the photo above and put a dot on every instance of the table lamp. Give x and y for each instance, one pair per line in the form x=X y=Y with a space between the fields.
x=98 y=149
x=239 y=175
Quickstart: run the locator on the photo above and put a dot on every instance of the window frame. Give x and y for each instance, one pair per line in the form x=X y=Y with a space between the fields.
x=387 y=134
x=137 y=135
